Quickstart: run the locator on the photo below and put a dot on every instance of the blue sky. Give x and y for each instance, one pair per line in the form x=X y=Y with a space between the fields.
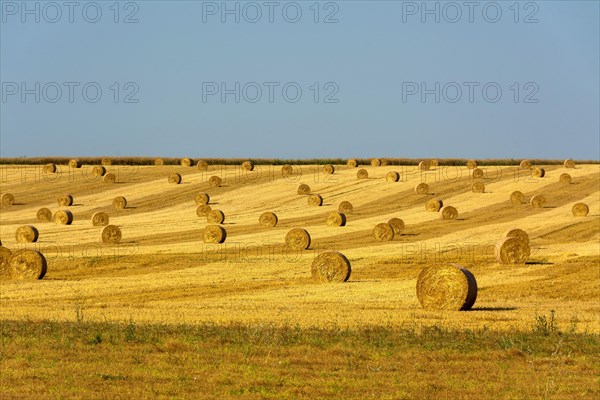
x=341 y=79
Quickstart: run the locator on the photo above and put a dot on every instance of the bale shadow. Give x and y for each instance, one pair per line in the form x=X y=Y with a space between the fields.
x=539 y=263
x=493 y=309
x=549 y=207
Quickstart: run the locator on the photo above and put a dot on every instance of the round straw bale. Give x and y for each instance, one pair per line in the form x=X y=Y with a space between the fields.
x=512 y=250
x=215 y=217
x=44 y=215
x=106 y=161
x=335 y=218
x=175 y=178
x=98 y=170
x=111 y=234
x=538 y=172
x=287 y=170
x=434 y=205
x=424 y=166
x=328 y=169
x=362 y=174
x=448 y=287
x=537 y=201
x=392 y=176
x=449 y=212
x=397 y=225
x=525 y=164
x=7 y=199
x=383 y=232
x=202 y=165
x=303 y=189
x=159 y=161
x=517 y=197
x=63 y=217
x=27 y=234
x=268 y=219
x=477 y=173
x=345 y=207
x=518 y=233
x=5 y=255
x=203 y=210
x=214 y=234
x=109 y=178
x=565 y=178
x=27 y=264
x=297 y=239
x=186 y=162
x=65 y=200
x=315 y=200
x=50 y=168
x=215 y=181
x=434 y=163
x=100 y=218
x=471 y=164
x=376 y=162
x=569 y=163
x=247 y=166
x=202 y=198
x=478 y=187
x=352 y=163
x=580 y=210
x=119 y=203
x=74 y=163
x=330 y=266
x=422 y=188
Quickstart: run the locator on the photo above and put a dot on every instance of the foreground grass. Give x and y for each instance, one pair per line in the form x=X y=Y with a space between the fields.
x=52 y=360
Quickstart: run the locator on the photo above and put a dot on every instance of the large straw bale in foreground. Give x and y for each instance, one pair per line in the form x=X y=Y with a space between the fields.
x=111 y=234
x=214 y=234
x=580 y=210
x=383 y=232
x=268 y=219
x=512 y=250
x=449 y=287
x=297 y=239
x=27 y=264
x=331 y=266
x=27 y=234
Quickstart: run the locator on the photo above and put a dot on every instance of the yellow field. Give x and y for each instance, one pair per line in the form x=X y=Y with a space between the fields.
x=163 y=272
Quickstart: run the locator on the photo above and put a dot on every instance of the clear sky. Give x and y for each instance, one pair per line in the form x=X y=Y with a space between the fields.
x=300 y=79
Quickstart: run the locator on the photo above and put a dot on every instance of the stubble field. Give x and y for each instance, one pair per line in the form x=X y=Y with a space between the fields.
x=163 y=275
